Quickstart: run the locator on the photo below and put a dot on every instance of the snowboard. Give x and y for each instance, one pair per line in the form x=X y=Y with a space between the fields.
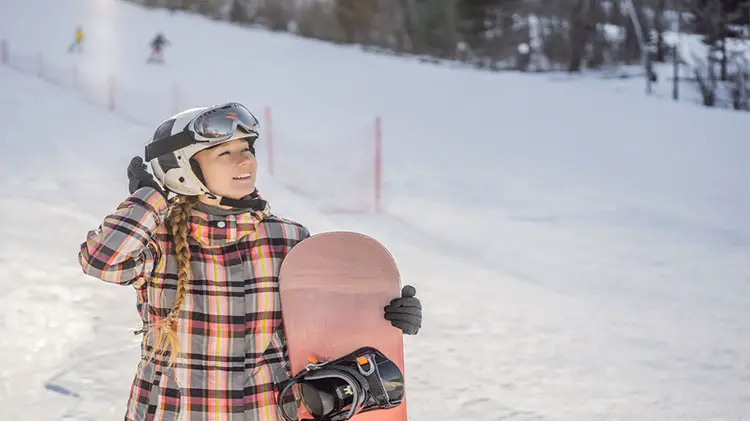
x=333 y=289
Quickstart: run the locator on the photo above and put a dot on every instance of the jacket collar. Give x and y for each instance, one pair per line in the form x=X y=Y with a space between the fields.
x=215 y=227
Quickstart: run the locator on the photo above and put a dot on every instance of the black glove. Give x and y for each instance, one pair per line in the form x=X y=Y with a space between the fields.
x=139 y=177
x=405 y=312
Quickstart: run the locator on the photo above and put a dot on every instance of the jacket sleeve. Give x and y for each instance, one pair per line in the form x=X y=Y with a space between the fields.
x=119 y=250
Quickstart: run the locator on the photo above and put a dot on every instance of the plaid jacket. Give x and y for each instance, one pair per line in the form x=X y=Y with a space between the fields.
x=230 y=323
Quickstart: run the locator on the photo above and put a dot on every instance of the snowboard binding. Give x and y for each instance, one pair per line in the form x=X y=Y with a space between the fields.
x=336 y=390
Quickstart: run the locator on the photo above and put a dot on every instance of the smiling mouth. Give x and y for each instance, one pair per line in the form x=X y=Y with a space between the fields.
x=242 y=177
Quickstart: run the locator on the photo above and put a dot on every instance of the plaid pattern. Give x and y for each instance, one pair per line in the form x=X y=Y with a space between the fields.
x=230 y=324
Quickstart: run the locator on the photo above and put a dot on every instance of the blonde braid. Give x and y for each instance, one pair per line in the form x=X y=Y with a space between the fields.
x=165 y=330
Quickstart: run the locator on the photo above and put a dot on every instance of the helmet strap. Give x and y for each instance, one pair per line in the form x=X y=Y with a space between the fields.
x=247 y=202
x=197 y=170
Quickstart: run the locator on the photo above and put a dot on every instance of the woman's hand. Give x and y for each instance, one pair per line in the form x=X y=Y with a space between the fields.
x=405 y=312
x=139 y=176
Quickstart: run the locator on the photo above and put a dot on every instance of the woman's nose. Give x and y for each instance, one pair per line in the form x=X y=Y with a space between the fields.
x=244 y=160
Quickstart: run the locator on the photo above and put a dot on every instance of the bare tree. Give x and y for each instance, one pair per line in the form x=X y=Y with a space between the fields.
x=582 y=22
x=659 y=25
x=705 y=77
x=713 y=19
x=354 y=19
x=739 y=84
x=390 y=26
x=276 y=14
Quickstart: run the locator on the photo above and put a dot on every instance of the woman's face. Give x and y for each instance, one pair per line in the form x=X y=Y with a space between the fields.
x=229 y=169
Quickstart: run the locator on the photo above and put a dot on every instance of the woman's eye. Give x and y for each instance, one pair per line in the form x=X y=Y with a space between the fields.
x=224 y=153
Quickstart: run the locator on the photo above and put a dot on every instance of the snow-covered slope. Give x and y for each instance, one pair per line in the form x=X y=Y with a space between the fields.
x=581 y=253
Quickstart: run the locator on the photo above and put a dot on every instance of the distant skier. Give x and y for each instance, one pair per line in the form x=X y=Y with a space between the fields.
x=78 y=40
x=157 y=47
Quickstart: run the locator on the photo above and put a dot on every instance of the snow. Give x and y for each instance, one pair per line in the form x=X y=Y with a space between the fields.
x=582 y=251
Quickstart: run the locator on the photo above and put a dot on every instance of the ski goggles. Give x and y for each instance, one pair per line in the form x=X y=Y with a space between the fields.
x=216 y=124
x=362 y=381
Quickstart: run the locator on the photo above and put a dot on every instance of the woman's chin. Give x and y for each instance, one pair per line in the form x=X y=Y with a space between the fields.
x=235 y=191
x=240 y=192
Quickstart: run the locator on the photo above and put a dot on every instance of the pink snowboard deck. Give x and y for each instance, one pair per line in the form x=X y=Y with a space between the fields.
x=333 y=290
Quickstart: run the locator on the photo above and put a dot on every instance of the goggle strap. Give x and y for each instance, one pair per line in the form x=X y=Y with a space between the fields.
x=167 y=145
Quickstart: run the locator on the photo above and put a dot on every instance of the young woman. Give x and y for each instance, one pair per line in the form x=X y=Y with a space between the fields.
x=205 y=266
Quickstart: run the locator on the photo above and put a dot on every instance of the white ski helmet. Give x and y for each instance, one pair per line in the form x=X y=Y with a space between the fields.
x=178 y=138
